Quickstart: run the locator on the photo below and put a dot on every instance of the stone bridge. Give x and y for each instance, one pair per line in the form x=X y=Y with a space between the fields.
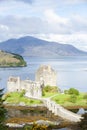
x=59 y=110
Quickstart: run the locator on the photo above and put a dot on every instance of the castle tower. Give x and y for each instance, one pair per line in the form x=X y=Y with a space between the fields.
x=47 y=74
x=13 y=84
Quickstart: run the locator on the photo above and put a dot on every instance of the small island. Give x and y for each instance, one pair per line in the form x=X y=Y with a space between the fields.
x=40 y=105
x=11 y=60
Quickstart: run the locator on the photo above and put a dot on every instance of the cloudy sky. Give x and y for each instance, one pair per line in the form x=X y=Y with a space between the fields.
x=64 y=21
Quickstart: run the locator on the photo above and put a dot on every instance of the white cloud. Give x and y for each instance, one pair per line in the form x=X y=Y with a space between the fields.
x=45 y=19
x=78 y=40
x=4 y=27
x=73 y=1
x=53 y=18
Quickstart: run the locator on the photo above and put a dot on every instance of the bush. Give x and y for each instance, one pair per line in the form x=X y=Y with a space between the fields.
x=52 y=89
x=72 y=91
x=65 y=91
x=39 y=127
x=27 y=127
x=22 y=93
x=36 y=127
x=2 y=112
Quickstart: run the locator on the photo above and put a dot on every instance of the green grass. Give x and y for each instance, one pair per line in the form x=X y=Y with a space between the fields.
x=16 y=98
x=47 y=94
x=64 y=99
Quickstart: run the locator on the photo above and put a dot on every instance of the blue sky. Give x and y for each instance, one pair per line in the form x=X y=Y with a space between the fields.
x=63 y=21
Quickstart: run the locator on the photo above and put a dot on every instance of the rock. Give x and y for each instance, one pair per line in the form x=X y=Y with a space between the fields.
x=14 y=125
x=81 y=111
x=46 y=122
x=22 y=104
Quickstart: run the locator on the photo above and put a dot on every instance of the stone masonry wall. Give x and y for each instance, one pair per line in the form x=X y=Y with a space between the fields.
x=32 y=88
x=46 y=74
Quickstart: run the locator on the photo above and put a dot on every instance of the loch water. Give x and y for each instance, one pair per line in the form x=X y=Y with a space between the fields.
x=71 y=71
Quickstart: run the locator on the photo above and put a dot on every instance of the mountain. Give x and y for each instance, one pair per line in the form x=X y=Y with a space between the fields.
x=11 y=60
x=30 y=46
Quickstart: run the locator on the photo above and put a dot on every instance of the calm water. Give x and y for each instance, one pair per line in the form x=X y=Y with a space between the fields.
x=71 y=71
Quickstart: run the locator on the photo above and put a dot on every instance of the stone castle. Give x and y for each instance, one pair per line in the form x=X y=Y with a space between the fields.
x=45 y=75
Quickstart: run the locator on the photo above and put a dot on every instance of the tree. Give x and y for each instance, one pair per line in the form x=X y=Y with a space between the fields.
x=2 y=111
x=72 y=91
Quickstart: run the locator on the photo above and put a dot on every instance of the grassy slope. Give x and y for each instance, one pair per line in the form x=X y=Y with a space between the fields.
x=64 y=99
x=9 y=59
x=16 y=98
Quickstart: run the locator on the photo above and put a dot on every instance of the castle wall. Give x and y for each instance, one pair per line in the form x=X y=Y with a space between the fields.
x=32 y=88
x=47 y=74
x=13 y=84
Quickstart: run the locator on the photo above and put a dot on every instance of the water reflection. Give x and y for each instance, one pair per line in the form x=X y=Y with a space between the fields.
x=61 y=129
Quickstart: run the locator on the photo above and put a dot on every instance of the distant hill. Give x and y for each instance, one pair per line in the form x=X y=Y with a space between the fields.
x=30 y=46
x=11 y=60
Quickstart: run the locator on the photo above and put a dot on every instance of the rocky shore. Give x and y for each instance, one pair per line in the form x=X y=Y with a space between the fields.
x=20 y=116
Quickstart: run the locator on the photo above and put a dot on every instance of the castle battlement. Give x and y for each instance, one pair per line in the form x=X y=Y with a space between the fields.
x=45 y=75
x=32 y=88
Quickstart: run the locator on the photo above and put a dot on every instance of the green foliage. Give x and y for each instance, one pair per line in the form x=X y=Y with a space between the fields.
x=85 y=96
x=2 y=111
x=28 y=127
x=17 y=56
x=50 y=89
x=36 y=127
x=39 y=127
x=11 y=60
x=70 y=100
x=73 y=98
x=73 y=91
x=65 y=91
x=43 y=92
x=22 y=93
x=21 y=60
x=47 y=88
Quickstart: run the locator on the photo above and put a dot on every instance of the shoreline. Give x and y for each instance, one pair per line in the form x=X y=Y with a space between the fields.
x=41 y=105
x=21 y=122
x=34 y=114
